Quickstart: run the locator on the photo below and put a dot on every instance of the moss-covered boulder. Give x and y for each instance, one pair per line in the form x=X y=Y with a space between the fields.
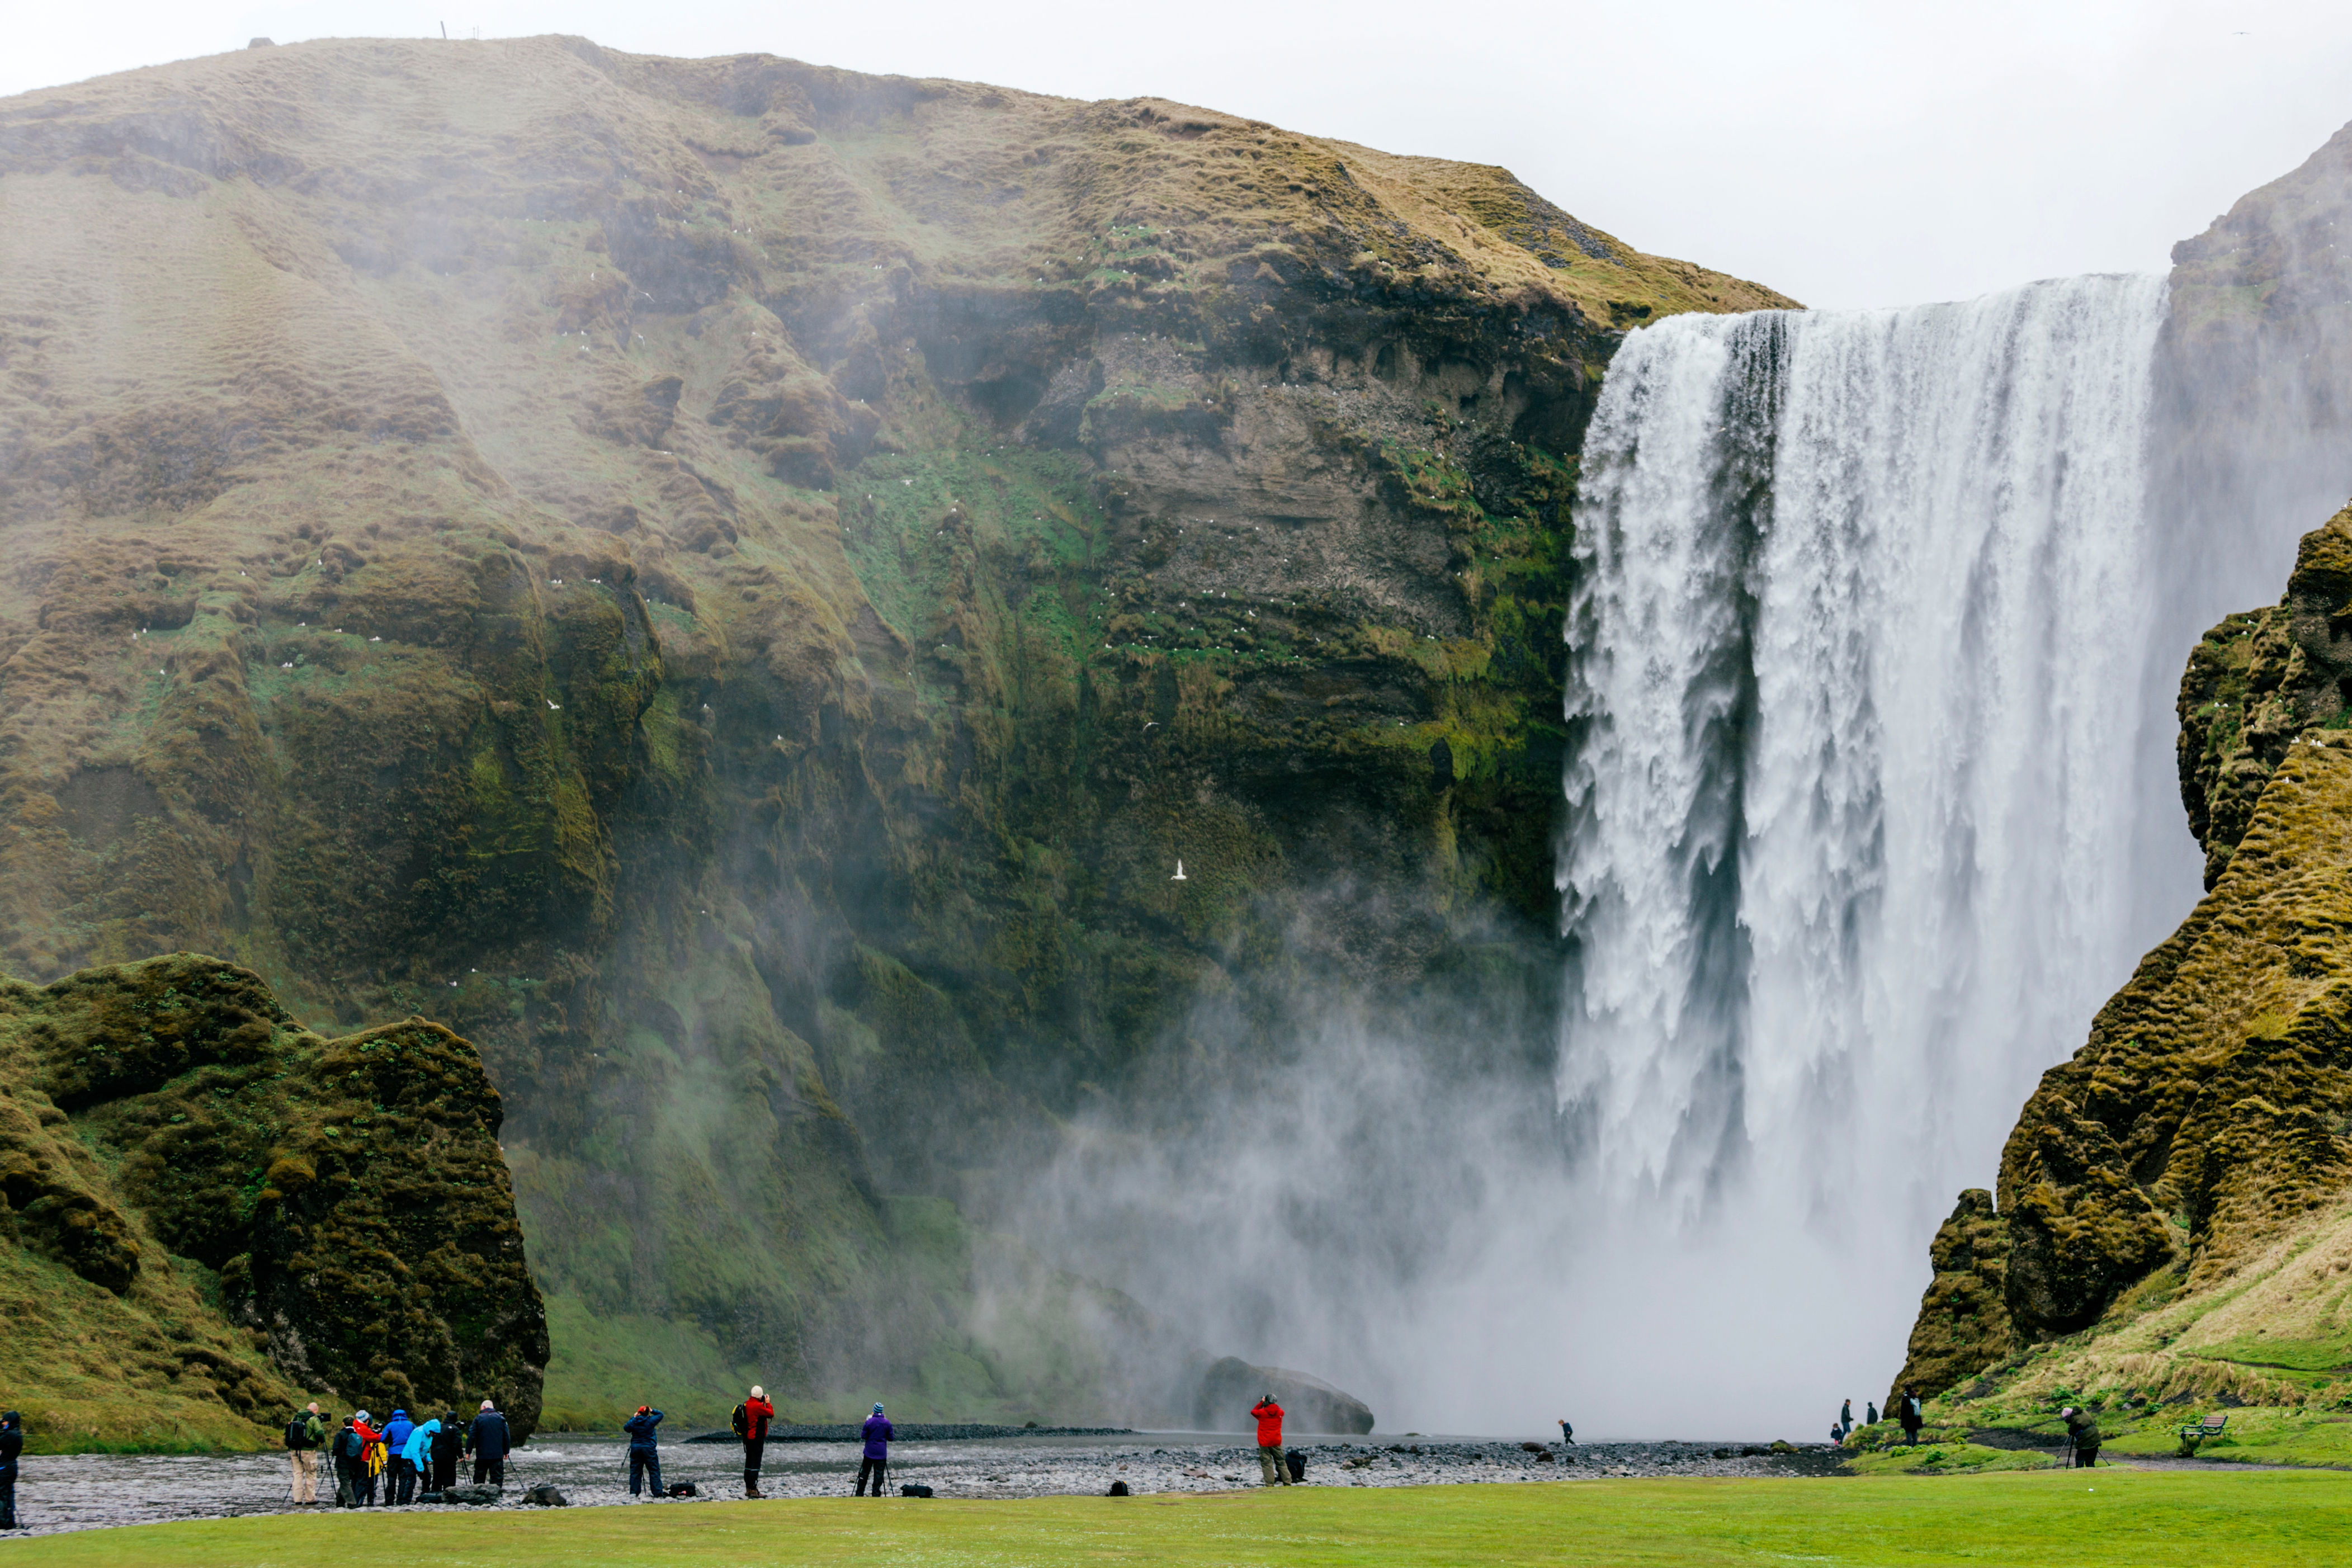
x=342 y=1205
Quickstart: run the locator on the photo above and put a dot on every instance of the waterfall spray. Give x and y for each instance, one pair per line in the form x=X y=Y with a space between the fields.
x=1857 y=665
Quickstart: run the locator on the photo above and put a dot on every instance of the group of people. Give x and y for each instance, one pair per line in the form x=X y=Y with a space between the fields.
x=407 y=1457
x=1907 y=1413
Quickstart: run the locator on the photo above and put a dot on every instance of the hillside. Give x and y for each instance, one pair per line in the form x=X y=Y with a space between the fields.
x=731 y=584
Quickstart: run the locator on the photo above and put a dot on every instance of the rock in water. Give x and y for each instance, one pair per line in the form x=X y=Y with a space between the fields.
x=1231 y=1386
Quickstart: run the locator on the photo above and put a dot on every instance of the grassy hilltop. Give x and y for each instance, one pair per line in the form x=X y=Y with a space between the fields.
x=729 y=584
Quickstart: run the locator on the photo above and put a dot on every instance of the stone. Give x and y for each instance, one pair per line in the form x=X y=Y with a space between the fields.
x=1231 y=1386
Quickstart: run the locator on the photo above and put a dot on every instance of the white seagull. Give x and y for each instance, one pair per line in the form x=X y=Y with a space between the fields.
x=1179 y=876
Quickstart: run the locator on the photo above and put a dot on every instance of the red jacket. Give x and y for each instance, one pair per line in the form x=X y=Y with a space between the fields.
x=1269 y=1423
x=757 y=1414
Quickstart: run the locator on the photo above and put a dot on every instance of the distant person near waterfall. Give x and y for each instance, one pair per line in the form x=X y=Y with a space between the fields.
x=1907 y=1411
x=1567 y=1432
x=1269 y=1441
x=875 y=1460
x=1844 y=1420
x=1872 y=1419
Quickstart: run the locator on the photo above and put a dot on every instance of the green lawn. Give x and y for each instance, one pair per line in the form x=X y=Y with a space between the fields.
x=2128 y=1519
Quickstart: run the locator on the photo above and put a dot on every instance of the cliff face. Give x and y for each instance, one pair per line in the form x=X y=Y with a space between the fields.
x=733 y=584
x=2170 y=1216
x=217 y=1214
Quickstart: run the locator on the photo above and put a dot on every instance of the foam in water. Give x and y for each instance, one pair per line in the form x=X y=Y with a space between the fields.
x=1858 y=667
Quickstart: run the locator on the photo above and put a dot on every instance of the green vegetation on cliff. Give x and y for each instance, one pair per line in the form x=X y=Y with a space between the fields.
x=2174 y=1221
x=216 y=1214
x=732 y=583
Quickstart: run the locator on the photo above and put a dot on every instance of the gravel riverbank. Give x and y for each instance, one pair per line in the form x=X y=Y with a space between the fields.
x=82 y=1491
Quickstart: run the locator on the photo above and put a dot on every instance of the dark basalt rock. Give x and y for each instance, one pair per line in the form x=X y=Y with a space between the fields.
x=1232 y=1386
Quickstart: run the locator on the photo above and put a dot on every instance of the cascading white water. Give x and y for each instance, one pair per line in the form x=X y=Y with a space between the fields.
x=1858 y=676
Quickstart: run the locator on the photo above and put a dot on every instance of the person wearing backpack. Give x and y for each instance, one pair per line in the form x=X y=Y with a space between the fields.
x=305 y=1435
x=751 y=1418
x=350 y=1454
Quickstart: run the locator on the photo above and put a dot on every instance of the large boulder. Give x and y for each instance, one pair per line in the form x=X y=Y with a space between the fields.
x=1232 y=1386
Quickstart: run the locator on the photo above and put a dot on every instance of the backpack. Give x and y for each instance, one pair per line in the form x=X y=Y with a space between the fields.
x=348 y=1444
x=297 y=1433
x=742 y=1421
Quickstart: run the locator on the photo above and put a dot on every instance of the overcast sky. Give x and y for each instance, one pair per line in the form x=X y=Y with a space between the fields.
x=1847 y=154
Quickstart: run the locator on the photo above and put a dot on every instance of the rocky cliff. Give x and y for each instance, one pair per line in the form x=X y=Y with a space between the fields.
x=733 y=584
x=2170 y=1219
x=216 y=1214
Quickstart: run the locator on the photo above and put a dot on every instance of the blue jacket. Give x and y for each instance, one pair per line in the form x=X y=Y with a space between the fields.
x=878 y=1438
x=418 y=1449
x=489 y=1437
x=396 y=1433
x=640 y=1428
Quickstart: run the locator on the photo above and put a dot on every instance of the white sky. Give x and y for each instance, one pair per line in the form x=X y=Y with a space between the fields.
x=1846 y=152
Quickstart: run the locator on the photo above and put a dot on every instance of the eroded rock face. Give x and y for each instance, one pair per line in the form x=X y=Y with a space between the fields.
x=2212 y=1108
x=348 y=1193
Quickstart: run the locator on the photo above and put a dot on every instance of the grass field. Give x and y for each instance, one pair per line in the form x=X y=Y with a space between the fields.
x=2124 y=1518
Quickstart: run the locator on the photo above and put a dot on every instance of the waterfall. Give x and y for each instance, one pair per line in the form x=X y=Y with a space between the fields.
x=1859 y=663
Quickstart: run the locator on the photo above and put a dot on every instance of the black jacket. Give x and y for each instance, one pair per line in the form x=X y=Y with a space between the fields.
x=12 y=1443
x=487 y=1438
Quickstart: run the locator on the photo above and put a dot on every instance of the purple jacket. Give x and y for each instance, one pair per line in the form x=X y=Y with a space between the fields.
x=878 y=1438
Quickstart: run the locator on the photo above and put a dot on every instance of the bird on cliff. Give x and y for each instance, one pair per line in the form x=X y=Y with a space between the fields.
x=1179 y=876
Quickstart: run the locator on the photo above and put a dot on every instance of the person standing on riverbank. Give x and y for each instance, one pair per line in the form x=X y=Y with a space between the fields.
x=876 y=1461
x=644 y=1457
x=1908 y=1412
x=12 y=1443
x=751 y=1418
x=399 y=1480
x=447 y=1444
x=489 y=1439
x=305 y=1435
x=1269 y=1441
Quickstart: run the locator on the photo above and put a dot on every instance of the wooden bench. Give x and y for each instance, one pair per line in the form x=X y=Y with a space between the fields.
x=2191 y=1435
